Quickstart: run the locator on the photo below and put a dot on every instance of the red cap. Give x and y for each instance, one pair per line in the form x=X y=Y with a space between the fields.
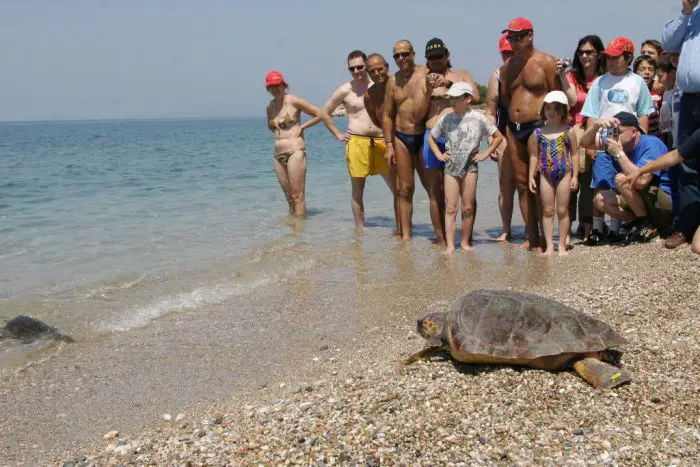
x=618 y=46
x=519 y=24
x=504 y=45
x=273 y=78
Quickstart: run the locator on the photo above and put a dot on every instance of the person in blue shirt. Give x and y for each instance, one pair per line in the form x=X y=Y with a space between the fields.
x=647 y=203
x=618 y=90
x=689 y=150
x=682 y=35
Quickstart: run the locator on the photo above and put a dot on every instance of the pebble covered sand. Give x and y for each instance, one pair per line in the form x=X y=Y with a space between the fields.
x=349 y=406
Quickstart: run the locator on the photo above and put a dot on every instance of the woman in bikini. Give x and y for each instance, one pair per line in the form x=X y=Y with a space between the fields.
x=284 y=120
x=550 y=149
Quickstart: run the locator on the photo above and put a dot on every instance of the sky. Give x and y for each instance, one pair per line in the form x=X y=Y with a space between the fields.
x=103 y=59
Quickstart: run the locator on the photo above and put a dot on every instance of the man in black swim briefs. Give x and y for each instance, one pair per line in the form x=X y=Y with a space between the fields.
x=406 y=105
x=525 y=79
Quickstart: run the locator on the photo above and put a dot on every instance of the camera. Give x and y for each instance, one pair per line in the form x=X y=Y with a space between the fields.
x=566 y=63
x=613 y=133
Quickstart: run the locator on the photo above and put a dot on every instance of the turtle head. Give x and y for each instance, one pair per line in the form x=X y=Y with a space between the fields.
x=431 y=327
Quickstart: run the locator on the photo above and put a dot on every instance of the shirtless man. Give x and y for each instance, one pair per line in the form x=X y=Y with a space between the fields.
x=440 y=77
x=526 y=78
x=405 y=107
x=364 y=149
x=378 y=70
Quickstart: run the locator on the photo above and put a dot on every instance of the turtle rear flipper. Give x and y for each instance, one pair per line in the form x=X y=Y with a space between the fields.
x=601 y=375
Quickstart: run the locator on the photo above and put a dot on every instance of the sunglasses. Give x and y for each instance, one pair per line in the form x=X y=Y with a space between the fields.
x=586 y=52
x=515 y=37
x=353 y=69
x=436 y=57
x=401 y=55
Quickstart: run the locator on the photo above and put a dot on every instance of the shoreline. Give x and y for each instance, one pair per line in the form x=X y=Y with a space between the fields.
x=347 y=405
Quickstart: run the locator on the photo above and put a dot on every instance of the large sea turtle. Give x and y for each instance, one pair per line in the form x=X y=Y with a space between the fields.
x=521 y=329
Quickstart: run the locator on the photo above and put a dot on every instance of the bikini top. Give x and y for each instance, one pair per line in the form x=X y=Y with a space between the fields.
x=281 y=123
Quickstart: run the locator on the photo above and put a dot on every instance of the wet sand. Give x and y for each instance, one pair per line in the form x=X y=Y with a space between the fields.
x=349 y=319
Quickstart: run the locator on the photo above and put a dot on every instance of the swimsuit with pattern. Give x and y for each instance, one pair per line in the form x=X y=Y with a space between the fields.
x=284 y=123
x=555 y=155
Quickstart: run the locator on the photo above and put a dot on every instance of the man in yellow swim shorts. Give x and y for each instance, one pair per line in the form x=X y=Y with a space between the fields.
x=364 y=150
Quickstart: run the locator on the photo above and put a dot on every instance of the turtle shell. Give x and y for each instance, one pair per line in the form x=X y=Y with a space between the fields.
x=500 y=323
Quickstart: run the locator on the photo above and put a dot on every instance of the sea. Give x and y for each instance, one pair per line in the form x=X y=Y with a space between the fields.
x=165 y=249
x=109 y=225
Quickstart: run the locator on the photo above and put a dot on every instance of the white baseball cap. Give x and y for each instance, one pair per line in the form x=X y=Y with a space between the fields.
x=556 y=96
x=460 y=88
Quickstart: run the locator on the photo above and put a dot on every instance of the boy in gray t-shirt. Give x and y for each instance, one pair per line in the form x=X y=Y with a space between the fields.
x=463 y=130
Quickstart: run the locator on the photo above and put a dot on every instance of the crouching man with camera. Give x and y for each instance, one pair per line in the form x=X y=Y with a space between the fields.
x=646 y=203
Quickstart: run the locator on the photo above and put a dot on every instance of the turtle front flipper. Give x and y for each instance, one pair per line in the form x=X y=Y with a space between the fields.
x=601 y=375
x=424 y=354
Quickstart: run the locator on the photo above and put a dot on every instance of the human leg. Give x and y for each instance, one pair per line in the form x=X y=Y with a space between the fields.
x=563 y=207
x=547 y=192
x=506 y=185
x=687 y=183
x=695 y=246
x=469 y=184
x=406 y=187
x=585 y=202
x=358 y=207
x=296 y=170
x=519 y=162
x=452 y=191
x=283 y=178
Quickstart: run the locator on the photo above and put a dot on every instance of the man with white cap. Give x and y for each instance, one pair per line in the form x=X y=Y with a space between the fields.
x=463 y=131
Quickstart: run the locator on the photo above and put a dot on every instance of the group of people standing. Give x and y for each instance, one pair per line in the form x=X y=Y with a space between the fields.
x=582 y=141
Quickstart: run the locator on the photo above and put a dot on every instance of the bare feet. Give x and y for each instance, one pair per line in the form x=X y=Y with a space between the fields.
x=504 y=237
x=466 y=247
x=547 y=252
x=449 y=250
x=563 y=251
x=525 y=245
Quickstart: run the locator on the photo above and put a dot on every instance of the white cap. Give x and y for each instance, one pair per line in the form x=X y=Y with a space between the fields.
x=556 y=96
x=460 y=88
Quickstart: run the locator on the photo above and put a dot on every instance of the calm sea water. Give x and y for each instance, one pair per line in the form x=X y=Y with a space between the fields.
x=108 y=225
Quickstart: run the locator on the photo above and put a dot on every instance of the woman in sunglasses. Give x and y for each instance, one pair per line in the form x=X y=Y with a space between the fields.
x=284 y=120
x=588 y=64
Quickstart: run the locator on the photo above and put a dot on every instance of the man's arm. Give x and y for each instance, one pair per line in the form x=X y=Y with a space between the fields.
x=335 y=100
x=388 y=120
x=676 y=29
x=314 y=111
x=371 y=109
x=505 y=92
x=589 y=139
x=554 y=81
x=492 y=99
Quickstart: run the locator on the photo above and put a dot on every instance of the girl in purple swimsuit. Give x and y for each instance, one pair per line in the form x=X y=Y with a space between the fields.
x=550 y=149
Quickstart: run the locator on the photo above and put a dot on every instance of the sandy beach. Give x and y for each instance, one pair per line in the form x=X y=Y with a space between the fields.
x=345 y=404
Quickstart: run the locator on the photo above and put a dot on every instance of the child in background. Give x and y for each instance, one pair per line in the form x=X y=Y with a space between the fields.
x=463 y=130
x=666 y=74
x=645 y=66
x=551 y=148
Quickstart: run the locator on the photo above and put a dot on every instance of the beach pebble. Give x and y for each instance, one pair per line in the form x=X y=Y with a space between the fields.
x=111 y=435
x=167 y=417
x=179 y=417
